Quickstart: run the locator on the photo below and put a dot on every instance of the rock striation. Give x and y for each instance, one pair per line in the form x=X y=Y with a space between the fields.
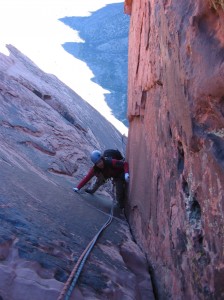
x=47 y=132
x=176 y=144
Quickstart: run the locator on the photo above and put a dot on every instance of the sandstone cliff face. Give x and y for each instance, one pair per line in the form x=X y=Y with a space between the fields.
x=47 y=132
x=176 y=144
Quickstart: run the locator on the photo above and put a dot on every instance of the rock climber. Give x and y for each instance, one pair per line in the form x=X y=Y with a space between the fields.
x=103 y=169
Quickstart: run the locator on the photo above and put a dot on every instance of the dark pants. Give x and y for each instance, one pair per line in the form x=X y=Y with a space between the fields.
x=119 y=187
x=120 y=191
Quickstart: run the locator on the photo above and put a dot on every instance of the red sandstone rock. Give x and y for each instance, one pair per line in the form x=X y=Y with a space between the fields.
x=127 y=6
x=47 y=132
x=176 y=144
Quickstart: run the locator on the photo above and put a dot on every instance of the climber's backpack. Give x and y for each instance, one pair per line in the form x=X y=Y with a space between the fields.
x=112 y=153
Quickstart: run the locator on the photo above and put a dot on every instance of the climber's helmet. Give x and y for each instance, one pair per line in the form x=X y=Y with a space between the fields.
x=96 y=156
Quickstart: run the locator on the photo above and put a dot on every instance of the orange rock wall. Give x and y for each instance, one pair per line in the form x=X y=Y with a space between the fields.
x=127 y=6
x=176 y=144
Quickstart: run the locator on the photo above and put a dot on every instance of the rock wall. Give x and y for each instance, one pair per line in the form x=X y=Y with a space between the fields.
x=47 y=133
x=176 y=146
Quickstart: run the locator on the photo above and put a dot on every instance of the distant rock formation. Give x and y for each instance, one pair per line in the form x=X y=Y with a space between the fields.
x=176 y=144
x=47 y=132
x=105 y=52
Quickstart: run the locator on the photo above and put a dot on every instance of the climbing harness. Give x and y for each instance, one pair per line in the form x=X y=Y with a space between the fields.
x=73 y=278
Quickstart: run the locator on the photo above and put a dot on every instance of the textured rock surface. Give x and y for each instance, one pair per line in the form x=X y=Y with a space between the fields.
x=127 y=6
x=176 y=144
x=47 y=133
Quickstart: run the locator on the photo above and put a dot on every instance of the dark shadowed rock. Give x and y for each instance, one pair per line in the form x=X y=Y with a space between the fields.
x=105 y=51
x=47 y=132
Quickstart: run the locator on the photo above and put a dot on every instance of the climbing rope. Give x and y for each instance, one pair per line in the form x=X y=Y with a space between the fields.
x=73 y=278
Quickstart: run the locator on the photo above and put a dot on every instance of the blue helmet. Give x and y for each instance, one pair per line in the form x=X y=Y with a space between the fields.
x=95 y=156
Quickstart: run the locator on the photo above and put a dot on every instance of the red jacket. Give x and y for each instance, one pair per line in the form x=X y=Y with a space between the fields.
x=113 y=168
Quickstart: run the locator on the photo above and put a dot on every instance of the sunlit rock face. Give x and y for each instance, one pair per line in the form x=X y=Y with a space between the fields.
x=176 y=144
x=47 y=132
